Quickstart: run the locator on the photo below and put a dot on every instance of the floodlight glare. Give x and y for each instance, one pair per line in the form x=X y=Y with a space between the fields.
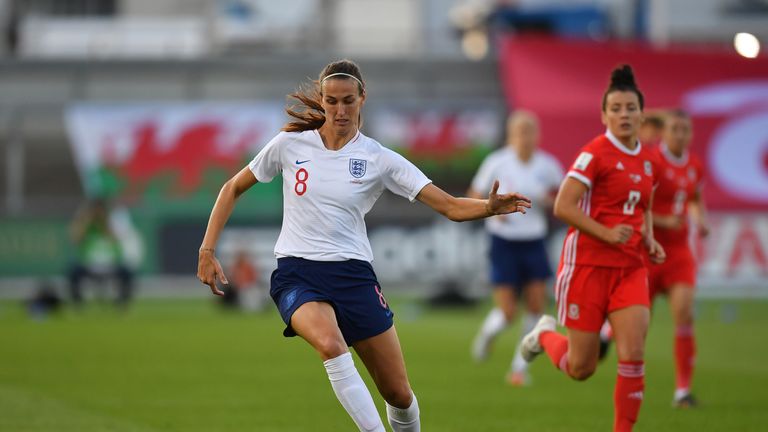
x=746 y=44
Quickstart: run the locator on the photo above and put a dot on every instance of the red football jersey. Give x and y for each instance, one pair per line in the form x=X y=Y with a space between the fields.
x=679 y=178
x=620 y=182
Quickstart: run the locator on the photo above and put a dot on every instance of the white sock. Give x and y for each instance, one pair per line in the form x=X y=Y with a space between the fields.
x=681 y=393
x=494 y=323
x=352 y=393
x=518 y=362
x=404 y=419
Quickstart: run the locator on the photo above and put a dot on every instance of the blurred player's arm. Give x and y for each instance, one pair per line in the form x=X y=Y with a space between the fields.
x=465 y=209
x=670 y=222
x=698 y=212
x=567 y=209
x=208 y=267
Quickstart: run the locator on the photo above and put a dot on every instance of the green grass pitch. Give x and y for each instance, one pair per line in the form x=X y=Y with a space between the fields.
x=184 y=365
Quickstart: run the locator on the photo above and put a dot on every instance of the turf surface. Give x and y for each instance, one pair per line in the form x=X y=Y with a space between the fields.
x=184 y=365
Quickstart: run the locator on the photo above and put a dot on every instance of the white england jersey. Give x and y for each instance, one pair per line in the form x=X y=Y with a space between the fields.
x=327 y=193
x=534 y=179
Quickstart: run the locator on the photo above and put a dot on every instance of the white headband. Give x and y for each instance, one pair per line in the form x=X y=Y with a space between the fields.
x=345 y=75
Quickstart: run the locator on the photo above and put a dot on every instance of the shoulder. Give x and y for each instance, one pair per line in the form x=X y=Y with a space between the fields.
x=283 y=137
x=599 y=144
x=547 y=159
x=378 y=152
x=590 y=153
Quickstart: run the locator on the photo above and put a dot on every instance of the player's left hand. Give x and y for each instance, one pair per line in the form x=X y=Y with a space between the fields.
x=655 y=251
x=506 y=203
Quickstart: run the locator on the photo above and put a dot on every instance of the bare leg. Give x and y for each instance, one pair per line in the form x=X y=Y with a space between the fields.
x=535 y=293
x=495 y=322
x=384 y=360
x=316 y=323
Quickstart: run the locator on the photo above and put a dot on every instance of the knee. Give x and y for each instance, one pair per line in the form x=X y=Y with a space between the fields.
x=683 y=317
x=399 y=396
x=330 y=347
x=582 y=371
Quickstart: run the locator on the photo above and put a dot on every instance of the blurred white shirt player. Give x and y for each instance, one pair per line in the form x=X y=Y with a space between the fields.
x=519 y=260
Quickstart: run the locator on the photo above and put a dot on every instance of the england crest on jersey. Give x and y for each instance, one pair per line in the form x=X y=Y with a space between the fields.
x=357 y=167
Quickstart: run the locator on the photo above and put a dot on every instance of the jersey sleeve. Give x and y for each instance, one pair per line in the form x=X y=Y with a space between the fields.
x=485 y=175
x=266 y=165
x=400 y=176
x=585 y=167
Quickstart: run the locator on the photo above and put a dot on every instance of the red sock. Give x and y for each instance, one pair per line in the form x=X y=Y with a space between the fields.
x=556 y=347
x=628 y=395
x=685 y=355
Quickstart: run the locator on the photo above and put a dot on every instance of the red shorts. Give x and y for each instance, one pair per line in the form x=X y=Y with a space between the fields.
x=586 y=294
x=678 y=268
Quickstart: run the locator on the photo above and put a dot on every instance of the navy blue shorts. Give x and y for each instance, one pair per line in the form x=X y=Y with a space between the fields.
x=349 y=286
x=517 y=262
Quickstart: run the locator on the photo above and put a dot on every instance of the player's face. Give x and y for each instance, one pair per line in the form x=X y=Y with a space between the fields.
x=342 y=102
x=649 y=133
x=622 y=114
x=524 y=135
x=678 y=133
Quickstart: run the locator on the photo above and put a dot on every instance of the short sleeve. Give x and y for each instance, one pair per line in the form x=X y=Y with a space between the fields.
x=485 y=175
x=266 y=165
x=584 y=168
x=400 y=176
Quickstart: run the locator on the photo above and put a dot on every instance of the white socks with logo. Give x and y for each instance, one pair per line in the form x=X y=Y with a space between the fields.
x=353 y=394
x=404 y=419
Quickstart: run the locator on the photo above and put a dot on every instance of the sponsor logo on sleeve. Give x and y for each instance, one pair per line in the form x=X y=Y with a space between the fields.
x=582 y=161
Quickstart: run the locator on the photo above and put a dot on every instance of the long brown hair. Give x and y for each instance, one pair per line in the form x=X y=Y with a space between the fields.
x=308 y=110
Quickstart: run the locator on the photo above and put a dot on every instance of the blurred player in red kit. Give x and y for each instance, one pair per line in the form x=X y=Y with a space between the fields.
x=678 y=191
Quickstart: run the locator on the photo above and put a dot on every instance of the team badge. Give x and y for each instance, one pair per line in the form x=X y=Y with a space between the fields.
x=357 y=167
x=648 y=168
x=692 y=174
x=573 y=311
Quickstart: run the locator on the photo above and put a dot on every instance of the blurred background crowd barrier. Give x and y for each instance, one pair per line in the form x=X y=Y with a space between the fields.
x=153 y=104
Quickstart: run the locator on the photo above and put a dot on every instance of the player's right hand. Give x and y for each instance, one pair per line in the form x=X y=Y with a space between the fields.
x=209 y=271
x=619 y=234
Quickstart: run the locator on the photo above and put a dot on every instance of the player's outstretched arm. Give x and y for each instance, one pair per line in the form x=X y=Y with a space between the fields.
x=208 y=267
x=567 y=209
x=465 y=209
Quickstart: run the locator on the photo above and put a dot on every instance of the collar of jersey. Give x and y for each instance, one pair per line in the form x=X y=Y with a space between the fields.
x=615 y=141
x=674 y=160
x=514 y=155
x=350 y=142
